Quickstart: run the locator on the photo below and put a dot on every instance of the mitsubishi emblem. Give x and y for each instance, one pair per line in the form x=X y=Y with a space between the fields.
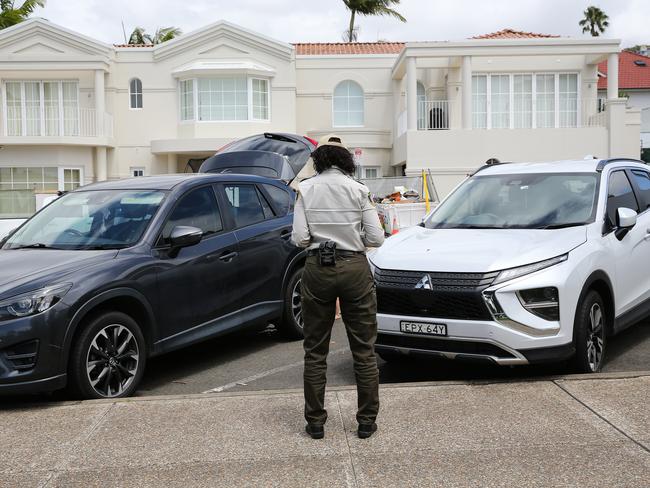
x=425 y=283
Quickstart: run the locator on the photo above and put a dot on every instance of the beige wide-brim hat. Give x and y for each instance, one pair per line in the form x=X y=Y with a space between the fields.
x=331 y=140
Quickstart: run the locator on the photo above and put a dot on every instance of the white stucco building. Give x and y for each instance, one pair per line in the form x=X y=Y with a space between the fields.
x=76 y=110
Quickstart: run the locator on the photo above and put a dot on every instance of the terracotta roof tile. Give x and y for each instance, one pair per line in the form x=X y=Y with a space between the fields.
x=630 y=75
x=133 y=45
x=513 y=34
x=334 y=48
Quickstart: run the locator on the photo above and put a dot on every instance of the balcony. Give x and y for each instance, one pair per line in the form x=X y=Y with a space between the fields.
x=83 y=127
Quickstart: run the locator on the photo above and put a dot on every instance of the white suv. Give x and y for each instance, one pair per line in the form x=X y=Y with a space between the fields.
x=521 y=263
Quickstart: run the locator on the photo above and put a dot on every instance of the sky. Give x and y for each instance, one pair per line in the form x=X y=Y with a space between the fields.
x=325 y=20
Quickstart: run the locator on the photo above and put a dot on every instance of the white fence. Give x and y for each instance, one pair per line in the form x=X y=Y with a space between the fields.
x=433 y=114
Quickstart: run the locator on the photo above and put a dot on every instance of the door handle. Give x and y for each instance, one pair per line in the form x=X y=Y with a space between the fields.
x=228 y=256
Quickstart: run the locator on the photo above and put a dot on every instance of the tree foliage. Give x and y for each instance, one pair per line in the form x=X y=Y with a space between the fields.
x=595 y=21
x=163 y=34
x=366 y=8
x=10 y=14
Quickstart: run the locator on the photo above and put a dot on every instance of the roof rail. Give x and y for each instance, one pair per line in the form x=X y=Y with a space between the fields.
x=605 y=162
x=488 y=164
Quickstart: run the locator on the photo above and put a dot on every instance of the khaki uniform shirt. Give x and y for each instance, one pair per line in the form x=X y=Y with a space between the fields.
x=332 y=206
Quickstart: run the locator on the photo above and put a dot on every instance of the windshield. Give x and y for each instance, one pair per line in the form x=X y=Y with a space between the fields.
x=524 y=201
x=104 y=219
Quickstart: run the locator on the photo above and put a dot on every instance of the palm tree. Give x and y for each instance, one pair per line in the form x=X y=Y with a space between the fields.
x=12 y=15
x=139 y=36
x=163 y=34
x=595 y=21
x=368 y=7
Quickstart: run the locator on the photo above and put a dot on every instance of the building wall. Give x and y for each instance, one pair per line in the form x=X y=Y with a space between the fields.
x=316 y=79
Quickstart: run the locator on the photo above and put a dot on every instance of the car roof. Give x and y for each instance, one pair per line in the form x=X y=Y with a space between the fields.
x=566 y=166
x=173 y=181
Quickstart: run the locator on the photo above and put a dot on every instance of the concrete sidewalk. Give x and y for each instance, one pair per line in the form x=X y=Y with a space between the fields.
x=571 y=431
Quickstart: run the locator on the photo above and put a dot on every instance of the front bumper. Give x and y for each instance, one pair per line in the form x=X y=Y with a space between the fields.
x=30 y=359
x=487 y=341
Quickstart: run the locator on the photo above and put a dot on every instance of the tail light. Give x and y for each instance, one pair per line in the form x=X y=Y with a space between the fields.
x=314 y=142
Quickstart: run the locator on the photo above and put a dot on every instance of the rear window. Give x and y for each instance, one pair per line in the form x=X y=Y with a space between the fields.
x=281 y=199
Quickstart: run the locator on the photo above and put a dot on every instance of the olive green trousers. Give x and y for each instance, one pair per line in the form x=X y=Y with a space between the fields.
x=352 y=283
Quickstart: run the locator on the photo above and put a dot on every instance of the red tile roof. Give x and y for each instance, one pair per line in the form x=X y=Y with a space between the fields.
x=133 y=45
x=333 y=48
x=513 y=34
x=630 y=76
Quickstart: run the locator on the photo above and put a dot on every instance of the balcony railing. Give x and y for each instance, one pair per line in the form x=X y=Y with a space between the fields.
x=433 y=114
x=73 y=122
x=90 y=125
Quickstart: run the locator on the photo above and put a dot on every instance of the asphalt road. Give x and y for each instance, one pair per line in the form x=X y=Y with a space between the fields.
x=264 y=361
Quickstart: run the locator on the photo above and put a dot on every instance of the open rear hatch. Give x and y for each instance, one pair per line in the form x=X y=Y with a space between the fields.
x=280 y=156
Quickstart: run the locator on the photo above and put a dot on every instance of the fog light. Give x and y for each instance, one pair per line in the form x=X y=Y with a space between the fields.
x=543 y=302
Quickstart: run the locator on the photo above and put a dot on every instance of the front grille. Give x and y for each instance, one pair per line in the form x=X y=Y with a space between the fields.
x=22 y=357
x=442 y=345
x=450 y=295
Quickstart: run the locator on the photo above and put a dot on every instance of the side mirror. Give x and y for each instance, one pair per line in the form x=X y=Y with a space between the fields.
x=625 y=220
x=183 y=236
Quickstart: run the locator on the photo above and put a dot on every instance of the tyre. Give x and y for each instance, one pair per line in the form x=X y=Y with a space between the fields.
x=590 y=334
x=292 y=323
x=108 y=357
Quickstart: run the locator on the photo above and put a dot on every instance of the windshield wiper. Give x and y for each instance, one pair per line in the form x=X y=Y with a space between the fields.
x=560 y=226
x=99 y=247
x=36 y=245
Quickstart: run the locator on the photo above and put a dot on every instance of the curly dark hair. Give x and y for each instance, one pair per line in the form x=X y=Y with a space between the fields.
x=327 y=156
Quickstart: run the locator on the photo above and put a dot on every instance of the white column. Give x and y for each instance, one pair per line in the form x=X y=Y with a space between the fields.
x=612 y=76
x=101 y=164
x=466 y=95
x=411 y=94
x=100 y=102
x=172 y=163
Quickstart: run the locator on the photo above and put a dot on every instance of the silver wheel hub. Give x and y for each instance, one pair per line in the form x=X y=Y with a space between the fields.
x=296 y=305
x=595 y=337
x=112 y=360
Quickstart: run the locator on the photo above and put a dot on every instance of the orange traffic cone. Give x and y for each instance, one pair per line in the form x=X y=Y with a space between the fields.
x=395 y=228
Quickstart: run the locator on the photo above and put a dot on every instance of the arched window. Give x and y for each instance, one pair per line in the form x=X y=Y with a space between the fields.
x=347 y=110
x=135 y=93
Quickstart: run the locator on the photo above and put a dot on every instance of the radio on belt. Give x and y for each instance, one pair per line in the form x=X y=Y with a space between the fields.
x=327 y=253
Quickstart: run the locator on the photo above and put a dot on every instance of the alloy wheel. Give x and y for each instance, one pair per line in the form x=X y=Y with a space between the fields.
x=296 y=305
x=112 y=361
x=595 y=337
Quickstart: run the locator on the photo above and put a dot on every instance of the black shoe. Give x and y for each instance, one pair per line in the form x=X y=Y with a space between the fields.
x=366 y=430
x=315 y=431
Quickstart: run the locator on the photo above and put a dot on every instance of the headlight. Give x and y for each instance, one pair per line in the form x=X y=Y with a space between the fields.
x=34 y=302
x=512 y=273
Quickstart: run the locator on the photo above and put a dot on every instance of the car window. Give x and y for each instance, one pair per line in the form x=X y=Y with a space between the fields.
x=198 y=209
x=642 y=180
x=268 y=211
x=281 y=199
x=619 y=194
x=245 y=205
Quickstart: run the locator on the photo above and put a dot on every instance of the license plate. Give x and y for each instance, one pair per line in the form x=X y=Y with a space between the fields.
x=426 y=328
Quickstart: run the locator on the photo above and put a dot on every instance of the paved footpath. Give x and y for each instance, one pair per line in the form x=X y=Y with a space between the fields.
x=569 y=431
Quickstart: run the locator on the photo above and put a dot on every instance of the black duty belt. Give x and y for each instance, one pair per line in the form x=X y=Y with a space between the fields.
x=339 y=253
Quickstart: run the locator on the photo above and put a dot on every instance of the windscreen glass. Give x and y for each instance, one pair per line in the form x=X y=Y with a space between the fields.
x=523 y=201
x=103 y=219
